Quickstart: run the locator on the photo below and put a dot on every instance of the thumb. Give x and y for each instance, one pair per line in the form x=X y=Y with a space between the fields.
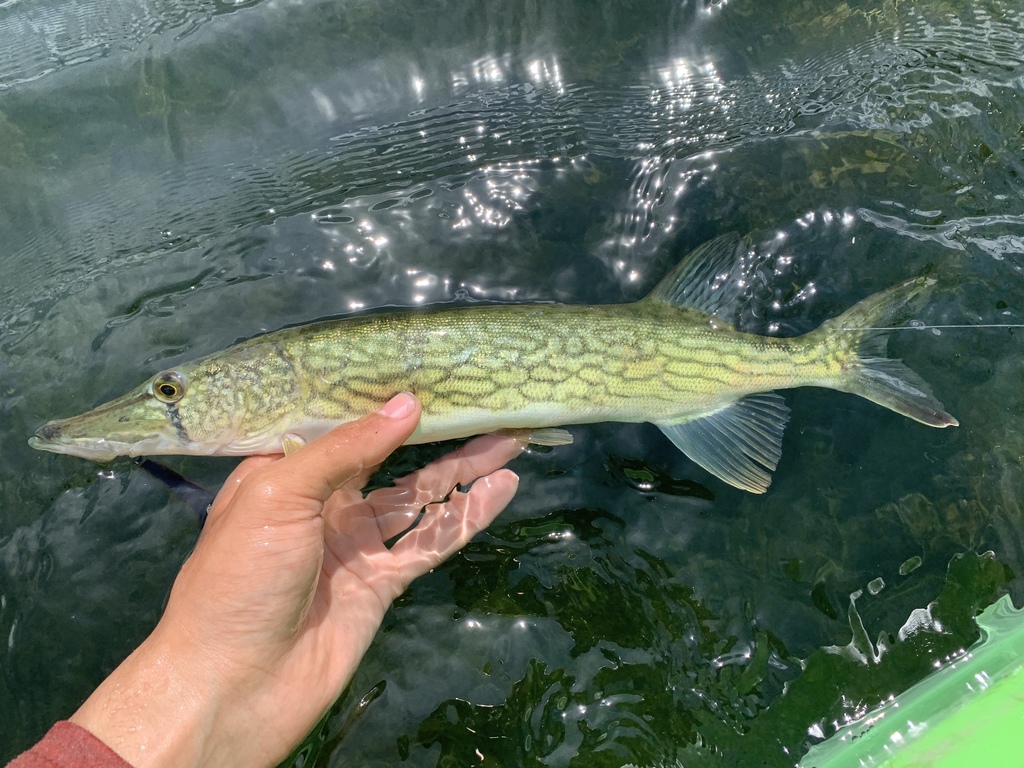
x=300 y=484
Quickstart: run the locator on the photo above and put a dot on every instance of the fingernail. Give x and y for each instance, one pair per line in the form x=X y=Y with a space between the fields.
x=399 y=406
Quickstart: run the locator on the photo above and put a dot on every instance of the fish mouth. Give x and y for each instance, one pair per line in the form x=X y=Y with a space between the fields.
x=85 y=448
x=51 y=437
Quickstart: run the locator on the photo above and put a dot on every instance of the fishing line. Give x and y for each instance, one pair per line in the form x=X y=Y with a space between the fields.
x=923 y=327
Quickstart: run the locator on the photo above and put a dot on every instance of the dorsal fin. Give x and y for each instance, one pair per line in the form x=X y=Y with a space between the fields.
x=709 y=279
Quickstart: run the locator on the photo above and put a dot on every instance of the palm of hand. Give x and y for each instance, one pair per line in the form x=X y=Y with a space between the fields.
x=292 y=577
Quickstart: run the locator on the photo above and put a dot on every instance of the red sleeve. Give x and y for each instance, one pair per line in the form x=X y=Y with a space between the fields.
x=67 y=745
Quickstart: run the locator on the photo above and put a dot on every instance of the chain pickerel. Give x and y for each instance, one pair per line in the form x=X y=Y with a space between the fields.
x=673 y=358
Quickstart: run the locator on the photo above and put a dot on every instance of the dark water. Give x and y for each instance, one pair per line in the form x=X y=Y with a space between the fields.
x=177 y=175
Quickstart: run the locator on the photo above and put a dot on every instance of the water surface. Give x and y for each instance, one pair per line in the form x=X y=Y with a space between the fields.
x=179 y=175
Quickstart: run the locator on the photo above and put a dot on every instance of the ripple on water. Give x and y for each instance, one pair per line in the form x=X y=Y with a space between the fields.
x=176 y=182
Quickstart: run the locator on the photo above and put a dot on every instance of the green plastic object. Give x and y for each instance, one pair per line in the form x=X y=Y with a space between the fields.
x=968 y=714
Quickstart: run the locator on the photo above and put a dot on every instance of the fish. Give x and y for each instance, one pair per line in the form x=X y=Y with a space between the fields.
x=674 y=358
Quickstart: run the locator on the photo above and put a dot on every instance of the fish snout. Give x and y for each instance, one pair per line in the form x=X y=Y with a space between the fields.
x=49 y=432
x=49 y=437
x=61 y=437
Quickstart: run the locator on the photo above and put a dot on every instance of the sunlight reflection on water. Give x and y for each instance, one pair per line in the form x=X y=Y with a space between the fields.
x=177 y=176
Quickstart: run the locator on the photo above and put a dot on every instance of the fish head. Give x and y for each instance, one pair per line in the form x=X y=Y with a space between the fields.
x=228 y=405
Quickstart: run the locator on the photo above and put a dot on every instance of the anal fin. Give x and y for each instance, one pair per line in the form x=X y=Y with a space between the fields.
x=740 y=444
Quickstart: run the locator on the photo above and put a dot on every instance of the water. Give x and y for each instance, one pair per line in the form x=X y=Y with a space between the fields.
x=179 y=175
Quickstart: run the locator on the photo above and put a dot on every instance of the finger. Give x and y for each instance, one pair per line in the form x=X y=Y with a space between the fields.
x=316 y=471
x=399 y=506
x=447 y=527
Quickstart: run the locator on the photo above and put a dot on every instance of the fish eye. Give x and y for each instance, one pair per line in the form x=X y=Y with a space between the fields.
x=169 y=387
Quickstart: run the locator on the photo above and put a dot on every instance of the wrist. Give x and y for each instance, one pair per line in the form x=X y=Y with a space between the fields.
x=156 y=709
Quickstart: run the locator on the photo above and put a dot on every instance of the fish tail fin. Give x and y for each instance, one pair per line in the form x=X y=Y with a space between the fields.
x=863 y=332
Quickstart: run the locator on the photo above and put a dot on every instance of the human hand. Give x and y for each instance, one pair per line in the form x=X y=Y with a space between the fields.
x=285 y=590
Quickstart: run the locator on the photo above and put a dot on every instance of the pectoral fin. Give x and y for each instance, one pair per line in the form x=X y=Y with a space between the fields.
x=291 y=443
x=547 y=436
x=740 y=444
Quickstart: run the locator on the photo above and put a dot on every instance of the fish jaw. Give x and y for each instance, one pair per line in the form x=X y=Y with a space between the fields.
x=98 y=449
x=136 y=424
